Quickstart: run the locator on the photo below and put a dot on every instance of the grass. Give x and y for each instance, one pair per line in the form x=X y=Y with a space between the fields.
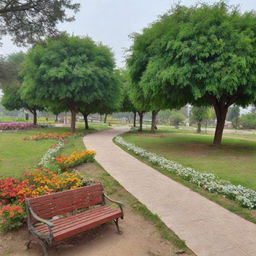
x=141 y=140
x=17 y=155
x=233 y=161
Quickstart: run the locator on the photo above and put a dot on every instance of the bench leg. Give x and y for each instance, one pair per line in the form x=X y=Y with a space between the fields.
x=117 y=227
x=40 y=242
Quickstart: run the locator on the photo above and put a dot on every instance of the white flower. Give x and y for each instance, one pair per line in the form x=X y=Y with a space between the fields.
x=244 y=196
x=51 y=154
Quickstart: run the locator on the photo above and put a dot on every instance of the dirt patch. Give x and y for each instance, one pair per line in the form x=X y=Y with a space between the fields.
x=140 y=237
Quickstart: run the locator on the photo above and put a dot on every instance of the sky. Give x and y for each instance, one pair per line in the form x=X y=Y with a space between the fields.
x=112 y=21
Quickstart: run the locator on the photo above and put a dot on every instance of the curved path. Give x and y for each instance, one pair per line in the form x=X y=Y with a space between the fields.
x=207 y=228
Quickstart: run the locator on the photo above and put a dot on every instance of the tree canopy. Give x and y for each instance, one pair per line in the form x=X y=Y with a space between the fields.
x=203 y=55
x=70 y=71
x=199 y=114
x=12 y=99
x=29 y=21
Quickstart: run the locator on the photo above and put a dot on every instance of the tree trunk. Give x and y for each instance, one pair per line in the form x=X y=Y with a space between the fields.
x=221 y=113
x=154 y=121
x=34 y=117
x=105 y=118
x=141 y=114
x=73 y=120
x=134 y=119
x=86 y=125
x=56 y=118
x=199 y=127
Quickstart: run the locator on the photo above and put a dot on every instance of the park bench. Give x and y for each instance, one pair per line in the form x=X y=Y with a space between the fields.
x=57 y=216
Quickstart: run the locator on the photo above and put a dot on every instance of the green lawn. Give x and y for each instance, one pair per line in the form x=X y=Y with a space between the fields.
x=17 y=155
x=234 y=160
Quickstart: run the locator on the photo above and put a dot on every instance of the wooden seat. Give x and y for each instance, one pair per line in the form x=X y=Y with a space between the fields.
x=57 y=216
x=69 y=226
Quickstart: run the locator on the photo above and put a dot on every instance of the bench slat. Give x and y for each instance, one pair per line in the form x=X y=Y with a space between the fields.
x=65 y=222
x=60 y=203
x=69 y=226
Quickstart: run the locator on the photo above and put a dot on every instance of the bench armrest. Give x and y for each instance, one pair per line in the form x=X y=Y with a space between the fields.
x=120 y=204
x=31 y=214
x=35 y=216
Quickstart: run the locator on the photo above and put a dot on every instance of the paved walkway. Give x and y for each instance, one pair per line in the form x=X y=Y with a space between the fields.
x=207 y=228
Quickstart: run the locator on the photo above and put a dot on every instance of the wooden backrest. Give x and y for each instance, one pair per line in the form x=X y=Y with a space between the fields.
x=63 y=202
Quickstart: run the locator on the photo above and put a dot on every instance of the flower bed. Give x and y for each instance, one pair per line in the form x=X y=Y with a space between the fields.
x=36 y=183
x=43 y=136
x=76 y=158
x=50 y=155
x=244 y=196
x=45 y=180
x=16 y=126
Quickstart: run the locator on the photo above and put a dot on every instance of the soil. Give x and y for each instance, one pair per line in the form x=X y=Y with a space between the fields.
x=139 y=236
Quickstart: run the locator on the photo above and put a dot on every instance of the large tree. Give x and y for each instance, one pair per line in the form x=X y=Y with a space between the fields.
x=126 y=103
x=203 y=55
x=12 y=99
x=199 y=114
x=70 y=71
x=28 y=21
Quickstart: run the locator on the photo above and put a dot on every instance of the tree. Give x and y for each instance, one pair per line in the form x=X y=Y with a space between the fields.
x=199 y=114
x=164 y=116
x=126 y=103
x=233 y=115
x=248 y=121
x=70 y=71
x=176 y=118
x=28 y=21
x=12 y=99
x=202 y=55
x=138 y=100
x=9 y=69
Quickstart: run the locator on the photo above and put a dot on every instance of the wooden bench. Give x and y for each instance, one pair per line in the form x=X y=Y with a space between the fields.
x=47 y=229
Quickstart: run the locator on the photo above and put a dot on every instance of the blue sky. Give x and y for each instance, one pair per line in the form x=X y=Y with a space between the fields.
x=112 y=21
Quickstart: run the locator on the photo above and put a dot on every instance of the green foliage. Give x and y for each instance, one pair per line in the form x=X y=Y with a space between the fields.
x=28 y=21
x=164 y=116
x=204 y=55
x=70 y=71
x=176 y=118
x=248 y=121
x=12 y=99
x=126 y=103
x=9 y=69
x=199 y=114
x=233 y=115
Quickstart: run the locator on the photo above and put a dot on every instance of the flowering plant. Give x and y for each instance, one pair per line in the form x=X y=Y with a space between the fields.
x=57 y=136
x=11 y=217
x=244 y=196
x=10 y=190
x=75 y=159
x=50 y=155
x=16 y=126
